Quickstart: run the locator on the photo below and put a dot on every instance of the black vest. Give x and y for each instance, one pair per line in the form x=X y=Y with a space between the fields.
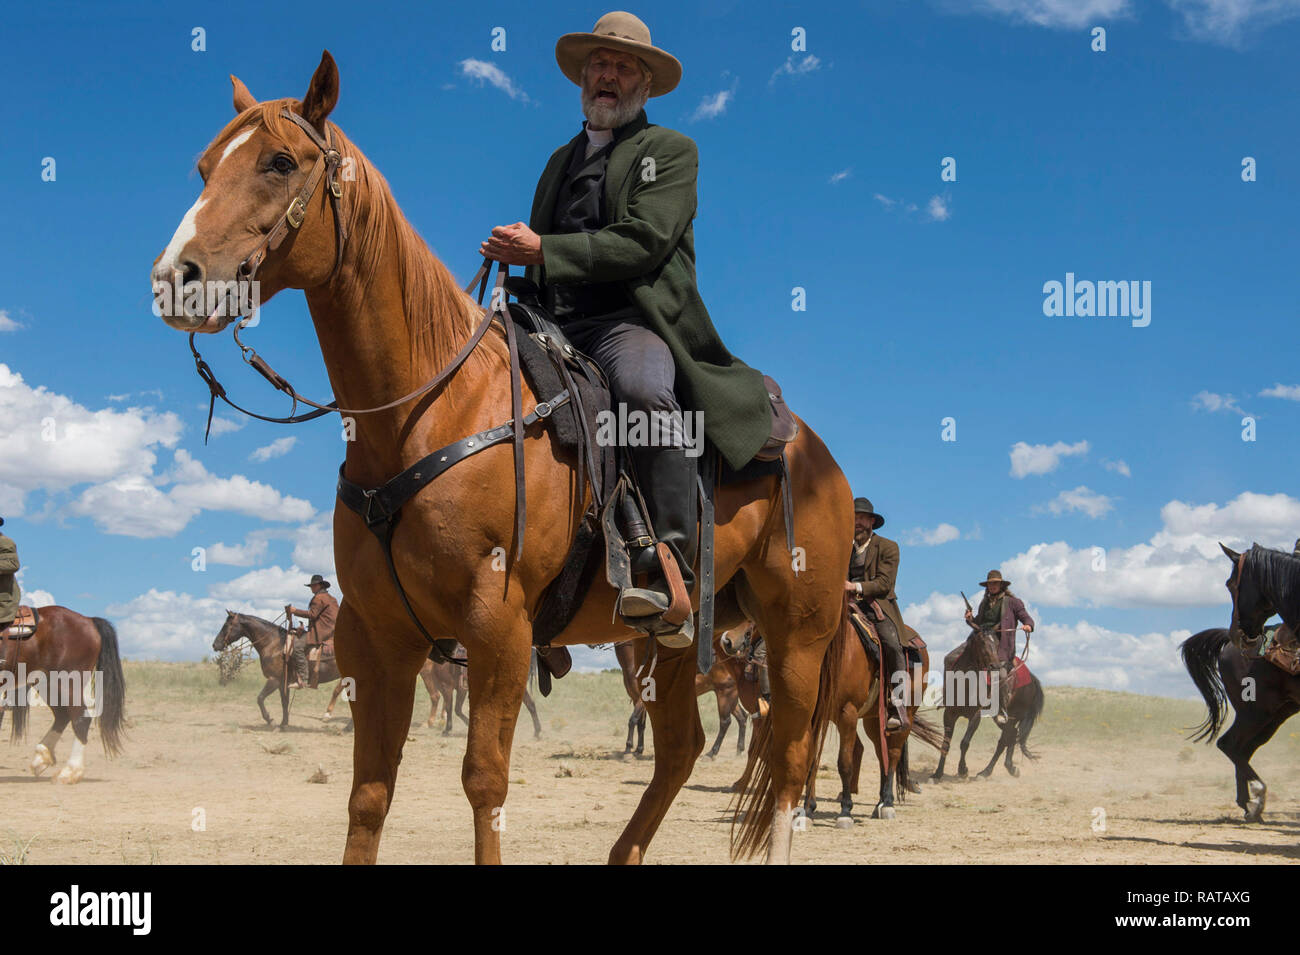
x=580 y=207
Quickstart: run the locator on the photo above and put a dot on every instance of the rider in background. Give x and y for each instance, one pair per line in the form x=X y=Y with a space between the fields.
x=9 y=590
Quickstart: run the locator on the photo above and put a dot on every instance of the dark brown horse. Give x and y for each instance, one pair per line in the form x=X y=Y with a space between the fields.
x=859 y=699
x=389 y=318
x=1215 y=665
x=721 y=680
x=73 y=661
x=964 y=671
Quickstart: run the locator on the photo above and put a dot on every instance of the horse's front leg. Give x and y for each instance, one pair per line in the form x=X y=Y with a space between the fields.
x=972 y=724
x=43 y=758
x=500 y=653
x=679 y=740
x=272 y=684
x=383 y=671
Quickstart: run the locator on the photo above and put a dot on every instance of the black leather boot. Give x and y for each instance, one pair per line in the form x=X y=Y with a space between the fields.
x=895 y=662
x=668 y=483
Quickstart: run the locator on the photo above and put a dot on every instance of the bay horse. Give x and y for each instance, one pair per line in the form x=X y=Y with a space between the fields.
x=1263 y=582
x=859 y=699
x=448 y=681
x=721 y=680
x=63 y=653
x=390 y=321
x=267 y=638
x=1215 y=664
x=1026 y=706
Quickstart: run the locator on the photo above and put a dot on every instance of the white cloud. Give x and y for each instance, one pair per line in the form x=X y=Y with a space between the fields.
x=1081 y=499
x=1229 y=21
x=196 y=487
x=923 y=537
x=484 y=72
x=1027 y=459
x=938 y=209
x=222 y=425
x=1210 y=401
x=87 y=447
x=133 y=506
x=277 y=448
x=713 y=106
x=1289 y=392
x=1057 y=14
x=7 y=324
x=809 y=64
x=1119 y=467
x=237 y=555
x=840 y=176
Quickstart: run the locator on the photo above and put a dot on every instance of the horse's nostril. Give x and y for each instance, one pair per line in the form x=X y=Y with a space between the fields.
x=190 y=272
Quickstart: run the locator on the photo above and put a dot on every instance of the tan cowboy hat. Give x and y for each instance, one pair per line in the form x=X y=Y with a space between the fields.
x=624 y=32
x=995 y=577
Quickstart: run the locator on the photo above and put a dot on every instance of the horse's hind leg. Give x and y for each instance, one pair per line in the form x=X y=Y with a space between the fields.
x=448 y=709
x=1239 y=743
x=742 y=722
x=724 y=724
x=75 y=768
x=531 y=707
x=383 y=671
x=679 y=740
x=1005 y=740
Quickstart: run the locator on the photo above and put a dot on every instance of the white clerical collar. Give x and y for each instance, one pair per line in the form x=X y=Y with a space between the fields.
x=599 y=137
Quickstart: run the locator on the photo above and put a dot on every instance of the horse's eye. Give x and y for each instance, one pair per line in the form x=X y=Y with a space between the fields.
x=283 y=164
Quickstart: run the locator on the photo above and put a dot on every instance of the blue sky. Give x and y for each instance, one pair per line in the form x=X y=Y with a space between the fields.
x=819 y=169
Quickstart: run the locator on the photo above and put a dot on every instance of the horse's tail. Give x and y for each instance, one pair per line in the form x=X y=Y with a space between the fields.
x=926 y=732
x=755 y=801
x=1029 y=719
x=19 y=728
x=1201 y=657
x=112 y=694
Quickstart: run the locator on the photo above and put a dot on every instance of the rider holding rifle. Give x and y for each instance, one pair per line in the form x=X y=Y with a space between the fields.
x=997 y=614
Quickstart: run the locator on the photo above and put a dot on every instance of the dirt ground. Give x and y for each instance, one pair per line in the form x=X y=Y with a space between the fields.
x=1109 y=759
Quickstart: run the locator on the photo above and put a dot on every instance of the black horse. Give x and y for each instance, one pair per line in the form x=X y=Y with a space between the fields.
x=1262 y=705
x=973 y=657
x=1263 y=582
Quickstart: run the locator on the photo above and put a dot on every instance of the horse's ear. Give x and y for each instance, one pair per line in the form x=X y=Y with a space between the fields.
x=323 y=94
x=243 y=98
x=1232 y=554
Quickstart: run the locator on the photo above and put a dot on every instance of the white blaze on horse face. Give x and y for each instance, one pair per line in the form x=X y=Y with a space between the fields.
x=236 y=143
x=184 y=233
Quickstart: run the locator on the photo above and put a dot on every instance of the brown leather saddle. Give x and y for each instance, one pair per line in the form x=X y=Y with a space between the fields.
x=23 y=625
x=1282 y=650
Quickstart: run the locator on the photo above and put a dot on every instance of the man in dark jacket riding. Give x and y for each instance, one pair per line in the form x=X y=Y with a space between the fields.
x=873 y=572
x=10 y=594
x=611 y=246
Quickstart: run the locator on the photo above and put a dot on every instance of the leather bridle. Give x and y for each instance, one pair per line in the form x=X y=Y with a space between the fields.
x=327 y=169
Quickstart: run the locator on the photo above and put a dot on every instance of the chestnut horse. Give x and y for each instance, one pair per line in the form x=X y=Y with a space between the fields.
x=63 y=654
x=723 y=679
x=389 y=318
x=859 y=698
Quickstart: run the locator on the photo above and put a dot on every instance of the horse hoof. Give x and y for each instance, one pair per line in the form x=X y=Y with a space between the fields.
x=1255 y=803
x=1013 y=770
x=884 y=812
x=43 y=759
x=70 y=775
x=328 y=716
x=844 y=822
x=963 y=772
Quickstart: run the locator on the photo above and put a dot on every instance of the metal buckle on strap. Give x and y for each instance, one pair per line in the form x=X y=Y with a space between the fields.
x=543 y=409
x=296 y=212
x=368 y=516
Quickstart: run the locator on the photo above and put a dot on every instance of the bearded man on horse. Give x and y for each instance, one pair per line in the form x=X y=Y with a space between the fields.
x=321 y=614
x=10 y=594
x=611 y=247
x=873 y=570
x=996 y=616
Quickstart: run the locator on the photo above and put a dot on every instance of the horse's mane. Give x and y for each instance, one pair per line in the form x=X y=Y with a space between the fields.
x=439 y=315
x=1278 y=575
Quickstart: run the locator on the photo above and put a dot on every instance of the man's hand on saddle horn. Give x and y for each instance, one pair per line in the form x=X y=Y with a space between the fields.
x=514 y=245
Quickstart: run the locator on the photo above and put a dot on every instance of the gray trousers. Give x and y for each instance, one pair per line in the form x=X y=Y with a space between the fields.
x=638 y=364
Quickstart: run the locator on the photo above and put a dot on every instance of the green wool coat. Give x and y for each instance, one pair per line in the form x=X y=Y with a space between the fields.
x=9 y=592
x=649 y=245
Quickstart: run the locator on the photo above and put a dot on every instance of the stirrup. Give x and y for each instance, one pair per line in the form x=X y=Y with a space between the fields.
x=637 y=602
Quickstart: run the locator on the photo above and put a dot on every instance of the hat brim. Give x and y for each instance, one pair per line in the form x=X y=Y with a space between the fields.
x=985 y=583
x=876 y=519
x=571 y=54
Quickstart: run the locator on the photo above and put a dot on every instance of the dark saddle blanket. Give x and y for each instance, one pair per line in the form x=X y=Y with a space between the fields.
x=23 y=625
